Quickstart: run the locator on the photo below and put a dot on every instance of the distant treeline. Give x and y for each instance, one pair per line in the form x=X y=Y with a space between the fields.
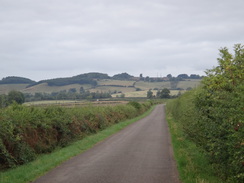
x=16 y=80
x=72 y=94
x=64 y=95
x=91 y=79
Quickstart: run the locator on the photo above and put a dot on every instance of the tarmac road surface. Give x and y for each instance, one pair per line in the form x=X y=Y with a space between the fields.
x=140 y=153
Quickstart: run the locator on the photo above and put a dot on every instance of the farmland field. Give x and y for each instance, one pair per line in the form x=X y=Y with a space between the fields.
x=5 y=88
x=74 y=103
x=112 y=89
x=107 y=82
x=44 y=88
x=116 y=87
x=151 y=85
x=192 y=83
x=144 y=93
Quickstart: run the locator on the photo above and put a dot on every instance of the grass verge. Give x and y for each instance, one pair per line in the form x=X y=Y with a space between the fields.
x=46 y=162
x=192 y=165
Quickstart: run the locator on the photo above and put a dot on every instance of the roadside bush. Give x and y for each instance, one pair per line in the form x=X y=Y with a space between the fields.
x=213 y=116
x=26 y=132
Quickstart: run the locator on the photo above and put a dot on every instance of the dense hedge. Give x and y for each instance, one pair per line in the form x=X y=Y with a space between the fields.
x=213 y=115
x=26 y=132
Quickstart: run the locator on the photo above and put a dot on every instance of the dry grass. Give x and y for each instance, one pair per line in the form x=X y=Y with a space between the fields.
x=112 y=89
x=193 y=83
x=107 y=82
x=44 y=88
x=151 y=85
x=140 y=94
x=6 y=88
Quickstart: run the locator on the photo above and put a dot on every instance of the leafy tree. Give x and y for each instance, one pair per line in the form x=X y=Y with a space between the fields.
x=195 y=76
x=169 y=76
x=122 y=76
x=150 y=94
x=147 y=79
x=82 y=90
x=165 y=93
x=72 y=90
x=16 y=96
x=183 y=76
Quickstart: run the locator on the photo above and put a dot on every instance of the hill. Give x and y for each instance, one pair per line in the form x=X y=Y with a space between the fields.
x=16 y=80
x=116 y=85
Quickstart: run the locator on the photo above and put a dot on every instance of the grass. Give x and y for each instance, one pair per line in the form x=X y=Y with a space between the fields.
x=106 y=82
x=44 y=88
x=6 y=88
x=192 y=165
x=112 y=89
x=74 y=103
x=193 y=83
x=144 y=93
x=46 y=162
x=151 y=85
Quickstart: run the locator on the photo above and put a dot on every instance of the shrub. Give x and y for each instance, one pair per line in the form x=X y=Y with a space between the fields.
x=213 y=117
x=26 y=132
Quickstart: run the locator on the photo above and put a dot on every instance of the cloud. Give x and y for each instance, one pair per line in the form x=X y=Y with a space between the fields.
x=43 y=39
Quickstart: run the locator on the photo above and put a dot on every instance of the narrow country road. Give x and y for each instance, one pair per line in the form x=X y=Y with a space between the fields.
x=141 y=153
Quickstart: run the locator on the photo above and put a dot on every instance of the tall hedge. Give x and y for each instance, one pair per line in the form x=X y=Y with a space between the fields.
x=213 y=115
x=26 y=132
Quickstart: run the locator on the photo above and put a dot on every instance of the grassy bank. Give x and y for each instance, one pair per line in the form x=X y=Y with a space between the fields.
x=192 y=165
x=44 y=163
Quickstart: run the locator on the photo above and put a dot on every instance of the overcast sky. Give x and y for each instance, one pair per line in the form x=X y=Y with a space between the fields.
x=44 y=39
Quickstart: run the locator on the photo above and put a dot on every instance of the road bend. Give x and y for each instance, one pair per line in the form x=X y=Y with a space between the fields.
x=140 y=153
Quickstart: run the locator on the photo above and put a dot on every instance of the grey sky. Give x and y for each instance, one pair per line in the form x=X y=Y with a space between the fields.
x=44 y=39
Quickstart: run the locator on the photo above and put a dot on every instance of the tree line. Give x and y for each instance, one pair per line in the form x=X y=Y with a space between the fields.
x=71 y=94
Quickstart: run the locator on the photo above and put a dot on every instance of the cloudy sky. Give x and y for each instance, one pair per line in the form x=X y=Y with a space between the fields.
x=44 y=39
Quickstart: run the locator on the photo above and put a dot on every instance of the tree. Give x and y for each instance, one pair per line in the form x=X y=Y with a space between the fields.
x=16 y=96
x=147 y=79
x=183 y=76
x=72 y=90
x=165 y=93
x=82 y=90
x=169 y=76
x=150 y=94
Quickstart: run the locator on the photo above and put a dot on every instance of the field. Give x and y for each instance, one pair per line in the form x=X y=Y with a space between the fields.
x=141 y=94
x=74 y=103
x=112 y=89
x=44 y=88
x=5 y=88
x=151 y=85
x=116 y=87
x=109 y=82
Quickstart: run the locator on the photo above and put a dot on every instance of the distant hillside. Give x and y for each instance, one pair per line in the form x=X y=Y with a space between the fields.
x=88 y=78
x=16 y=80
x=116 y=85
x=122 y=76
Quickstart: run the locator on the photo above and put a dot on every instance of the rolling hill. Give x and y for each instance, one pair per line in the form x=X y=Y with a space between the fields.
x=97 y=82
